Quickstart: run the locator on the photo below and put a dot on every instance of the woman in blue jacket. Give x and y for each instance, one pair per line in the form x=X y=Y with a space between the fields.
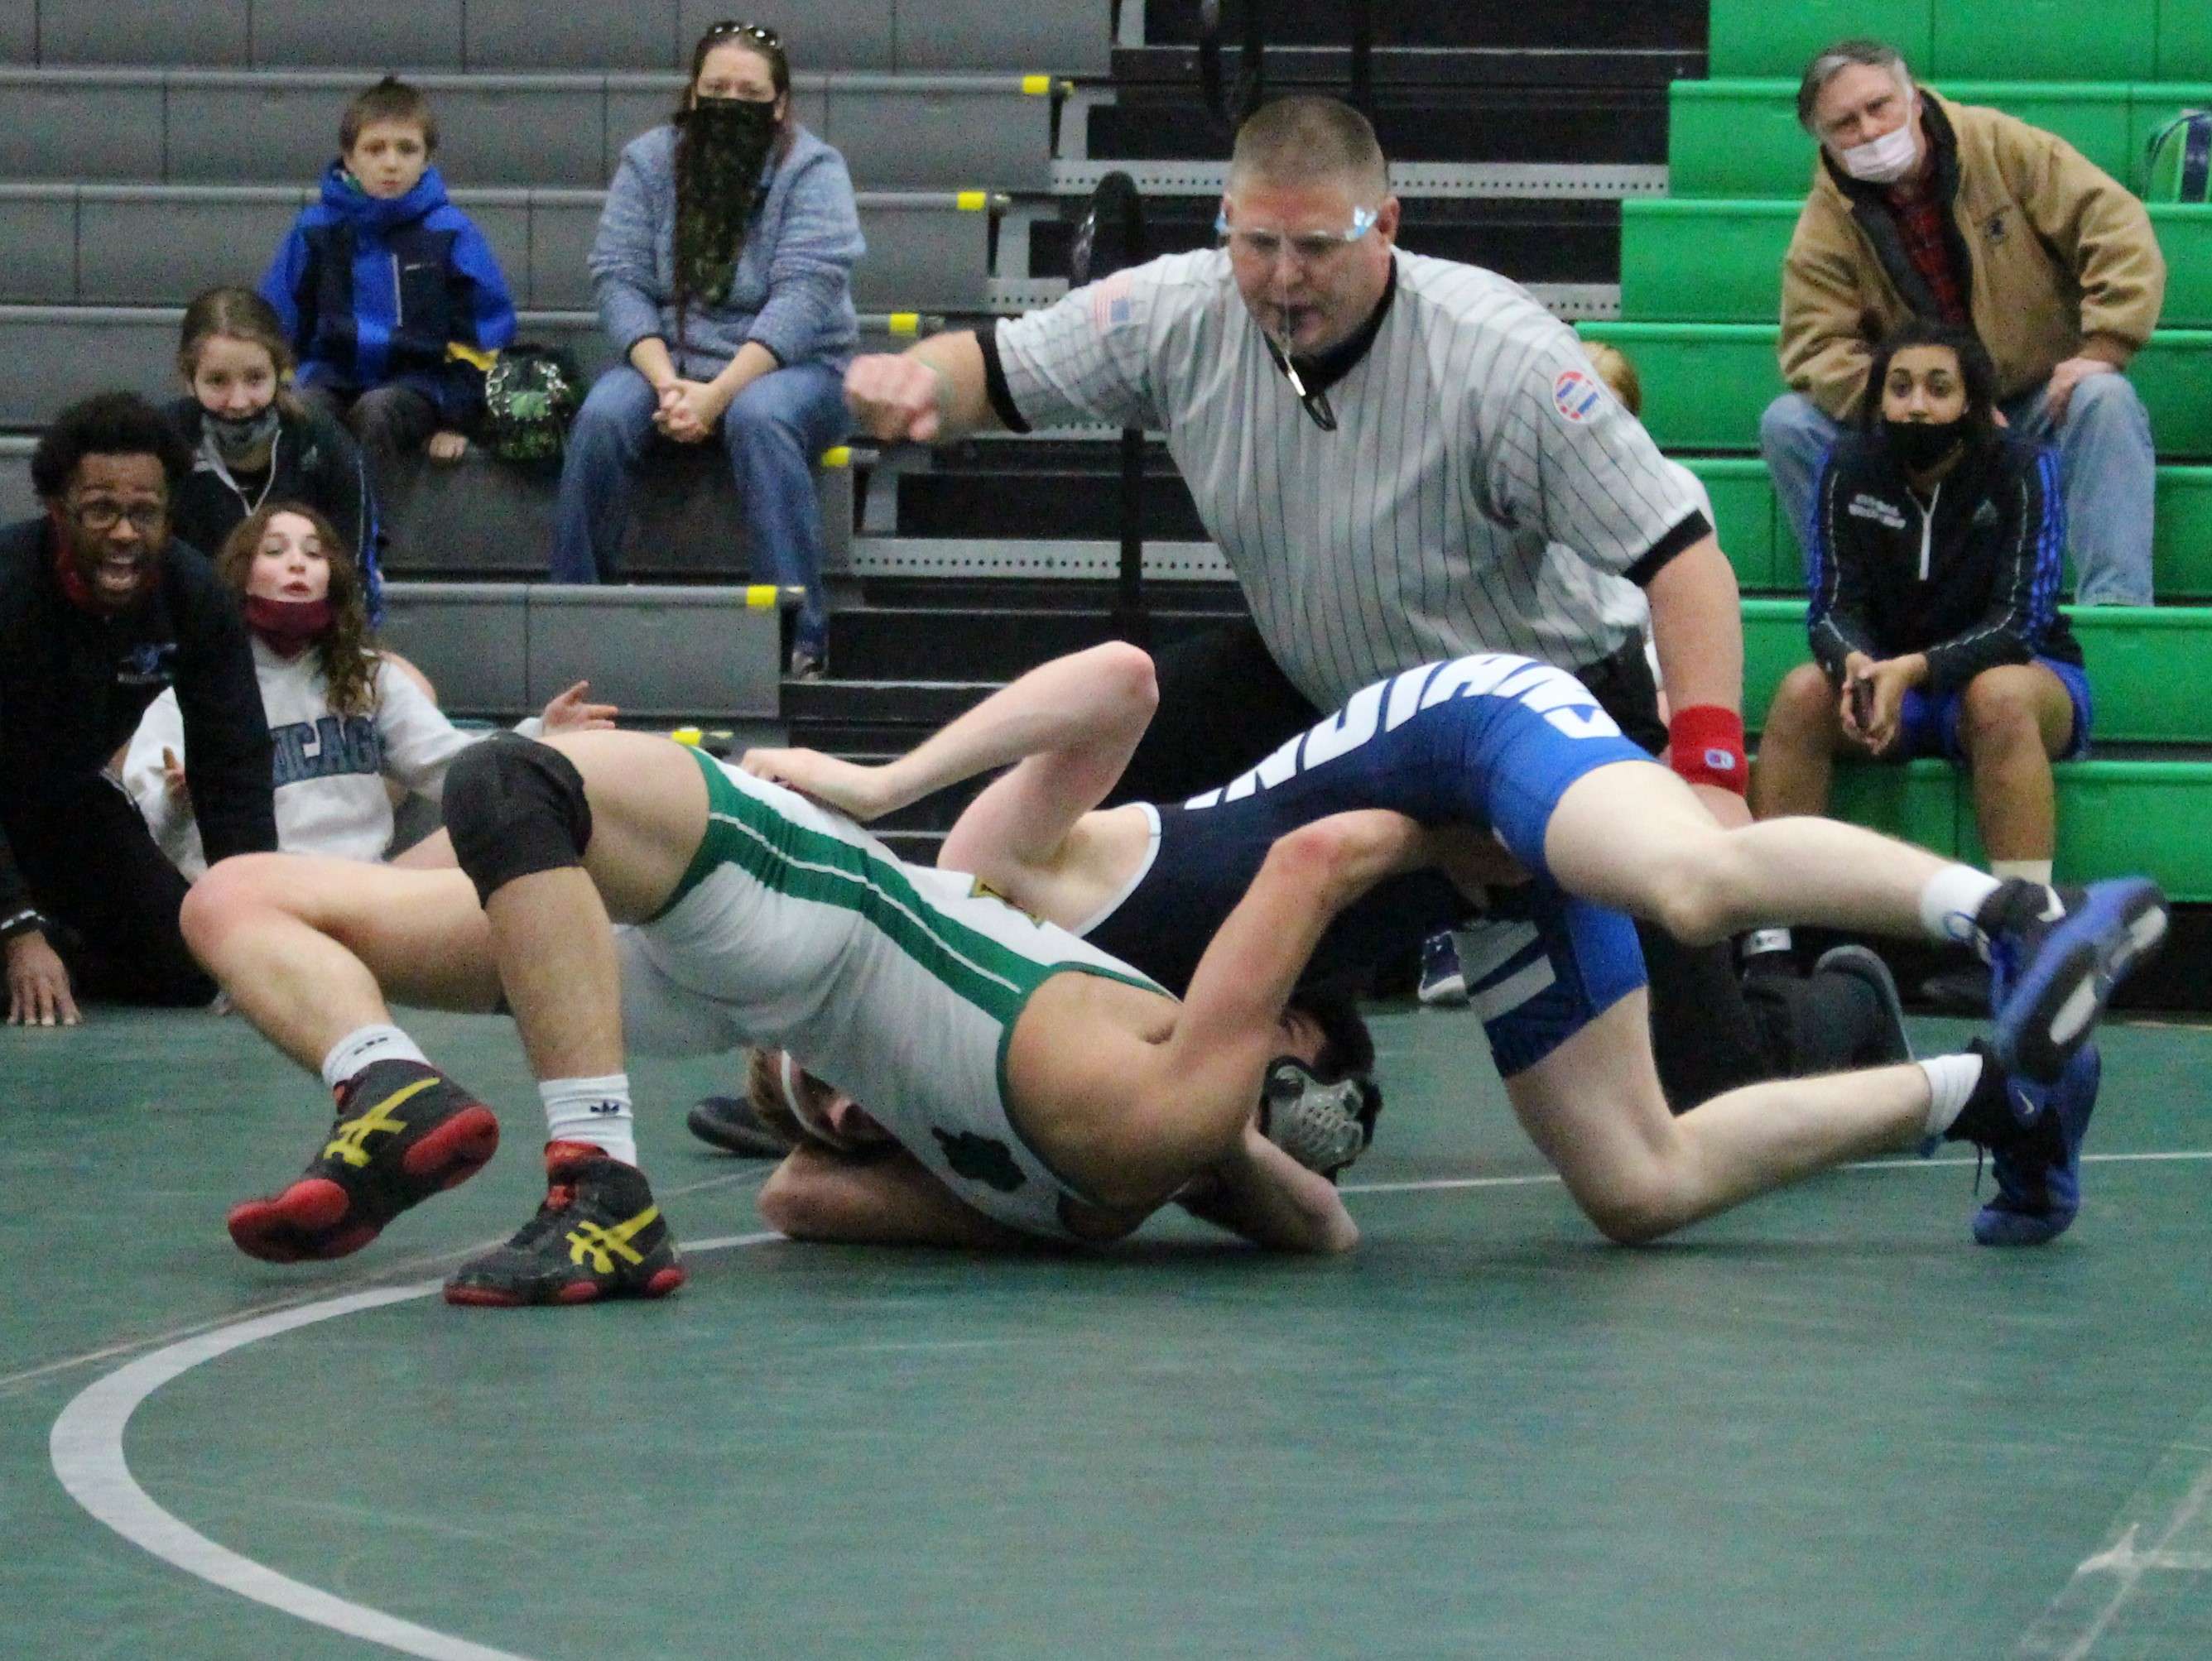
x=1935 y=550
x=723 y=267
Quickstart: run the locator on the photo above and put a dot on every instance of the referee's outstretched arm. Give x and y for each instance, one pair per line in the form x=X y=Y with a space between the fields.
x=933 y=390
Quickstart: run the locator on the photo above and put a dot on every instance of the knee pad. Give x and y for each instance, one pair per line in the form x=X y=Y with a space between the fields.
x=515 y=807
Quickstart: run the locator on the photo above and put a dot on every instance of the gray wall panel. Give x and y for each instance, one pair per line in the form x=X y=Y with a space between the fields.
x=398 y=34
x=17 y=499
x=38 y=229
x=1067 y=37
x=505 y=221
x=504 y=133
x=472 y=639
x=922 y=259
x=561 y=234
x=254 y=130
x=656 y=652
x=19 y=32
x=570 y=34
x=161 y=247
x=208 y=33
x=817 y=34
x=60 y=127
x=52 y=359
x=899 y=138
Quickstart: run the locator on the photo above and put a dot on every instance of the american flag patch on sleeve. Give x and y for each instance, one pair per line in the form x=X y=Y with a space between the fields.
x=1111 y=306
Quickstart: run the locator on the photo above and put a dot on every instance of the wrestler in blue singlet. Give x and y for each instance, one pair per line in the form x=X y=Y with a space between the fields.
x=1491 y=742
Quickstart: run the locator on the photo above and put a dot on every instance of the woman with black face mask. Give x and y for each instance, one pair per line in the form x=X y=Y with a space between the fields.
x=1934 y=552
x=253 y=441
x=723 y=267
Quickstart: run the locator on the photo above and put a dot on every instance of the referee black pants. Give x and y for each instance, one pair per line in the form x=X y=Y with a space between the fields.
x=1224 y=704
x=110 y=896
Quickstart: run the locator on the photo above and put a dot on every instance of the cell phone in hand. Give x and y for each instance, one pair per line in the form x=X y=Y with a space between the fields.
x=1862 y=702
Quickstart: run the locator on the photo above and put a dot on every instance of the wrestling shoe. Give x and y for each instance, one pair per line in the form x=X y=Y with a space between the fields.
x=405 y=1132
x=598 y=1235
x=1879 y=1037
x=1442 y=985
x=2034 y=1134
x=730 y=1123
x=2055 y=956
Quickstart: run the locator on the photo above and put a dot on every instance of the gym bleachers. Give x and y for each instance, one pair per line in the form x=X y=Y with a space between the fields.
x=1700 y=275
x=149 y=152
x=494 y=35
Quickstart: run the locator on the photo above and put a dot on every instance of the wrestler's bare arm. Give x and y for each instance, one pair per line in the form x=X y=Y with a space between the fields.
x=1068 y=726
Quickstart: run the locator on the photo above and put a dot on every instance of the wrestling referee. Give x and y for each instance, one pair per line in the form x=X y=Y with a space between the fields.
x=1403 y=459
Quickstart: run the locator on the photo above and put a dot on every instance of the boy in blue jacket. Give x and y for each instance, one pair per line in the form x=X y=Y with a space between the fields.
x=394 y=302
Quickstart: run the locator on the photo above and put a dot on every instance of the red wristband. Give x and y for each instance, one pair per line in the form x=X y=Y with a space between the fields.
x=1704 y=744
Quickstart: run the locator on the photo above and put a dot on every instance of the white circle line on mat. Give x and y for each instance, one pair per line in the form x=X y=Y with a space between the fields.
x=86 y=1446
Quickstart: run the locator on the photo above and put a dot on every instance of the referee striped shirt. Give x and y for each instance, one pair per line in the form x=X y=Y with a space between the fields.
x=1483 y=492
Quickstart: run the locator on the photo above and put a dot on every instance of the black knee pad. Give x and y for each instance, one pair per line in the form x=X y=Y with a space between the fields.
x=515 y=807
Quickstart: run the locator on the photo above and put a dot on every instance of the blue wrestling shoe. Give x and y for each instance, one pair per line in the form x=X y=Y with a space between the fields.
x=2034 y=1134
x=1442 y=983
x=2055 y=956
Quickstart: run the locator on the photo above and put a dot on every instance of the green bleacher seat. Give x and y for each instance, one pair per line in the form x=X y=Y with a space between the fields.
x=1767 y=559
x=1704 y=384
x=2025 y=39
x=1715 y=260
x=2184 y=39
x=2113 y=816
x=1741 y=138
x=2144 y=666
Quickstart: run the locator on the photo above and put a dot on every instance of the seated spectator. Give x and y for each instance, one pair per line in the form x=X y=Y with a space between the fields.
x=343 y=717
x=392 y=300
x=1922 y=207
x=1933 y=617
x=253 y=441
x=100 y=611
x=723 y=267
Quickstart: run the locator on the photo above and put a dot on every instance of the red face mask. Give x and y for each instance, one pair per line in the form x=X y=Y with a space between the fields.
x=288 y=627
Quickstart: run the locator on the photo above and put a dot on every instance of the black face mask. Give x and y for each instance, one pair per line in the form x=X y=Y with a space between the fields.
x=1920 y=446
x=726 y=142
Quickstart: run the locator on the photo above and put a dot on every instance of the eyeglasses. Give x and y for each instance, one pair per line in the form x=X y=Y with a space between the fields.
x=106 y=515
x=768 y=38
x=1265 y=247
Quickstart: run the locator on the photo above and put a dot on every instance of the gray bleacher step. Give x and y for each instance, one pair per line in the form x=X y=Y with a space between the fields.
x=159 y=245
x=1069 y=36
x=892 y=643
x=279 y=126
x=50 y=355
x=882 y=704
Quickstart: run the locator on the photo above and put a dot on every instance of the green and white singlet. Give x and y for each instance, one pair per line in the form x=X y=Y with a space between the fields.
x=794 y=928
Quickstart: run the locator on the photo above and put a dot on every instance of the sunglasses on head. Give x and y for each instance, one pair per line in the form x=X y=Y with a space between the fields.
x=768 y=38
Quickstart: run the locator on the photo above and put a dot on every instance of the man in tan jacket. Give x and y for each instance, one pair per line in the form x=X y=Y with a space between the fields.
x=1965 y=215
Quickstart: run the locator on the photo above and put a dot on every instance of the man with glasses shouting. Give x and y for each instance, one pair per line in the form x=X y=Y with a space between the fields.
x=100 y=611
x=1404 y=459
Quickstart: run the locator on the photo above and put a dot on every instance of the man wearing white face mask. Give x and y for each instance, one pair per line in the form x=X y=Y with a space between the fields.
x=1963 y=216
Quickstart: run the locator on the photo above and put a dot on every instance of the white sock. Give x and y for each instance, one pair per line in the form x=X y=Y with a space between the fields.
x=1951 y=1080
x=594 y=1110
x=1949 y=901
x=358 y=1048
x=1760 y=941
x=2035 y=871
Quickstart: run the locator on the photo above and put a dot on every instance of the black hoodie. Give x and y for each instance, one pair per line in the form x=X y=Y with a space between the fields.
x=1970 y=578
x=73 y=685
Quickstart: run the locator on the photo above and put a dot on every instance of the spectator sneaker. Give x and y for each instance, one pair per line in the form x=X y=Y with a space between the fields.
x=1442 y=985
x=598 y=1235
x=1880 y=1039
x=2034 y=1134
x=2055 y=956
x=405 y=1132
x=730 y=1123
